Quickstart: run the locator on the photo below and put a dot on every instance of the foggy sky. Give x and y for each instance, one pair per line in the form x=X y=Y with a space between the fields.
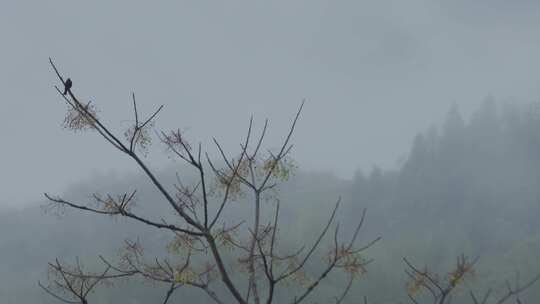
x=374 y=73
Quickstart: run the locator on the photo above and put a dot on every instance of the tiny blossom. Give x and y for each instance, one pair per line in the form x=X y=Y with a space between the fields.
x=281 y=169
x=181 y=242
x=80 y=117
x=184 y=276
x=176 y=141
x=226 y=239
x=142 y=139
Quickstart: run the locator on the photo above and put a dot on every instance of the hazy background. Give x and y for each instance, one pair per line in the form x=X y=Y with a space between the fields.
x=374 y=73
x=376 y=76
x=468 y=186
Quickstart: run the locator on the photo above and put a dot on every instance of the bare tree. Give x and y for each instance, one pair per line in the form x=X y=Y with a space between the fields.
x=204 y=233
x=205 y=240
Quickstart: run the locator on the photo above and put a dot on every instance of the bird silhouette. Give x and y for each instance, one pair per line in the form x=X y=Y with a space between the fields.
x=67 y=85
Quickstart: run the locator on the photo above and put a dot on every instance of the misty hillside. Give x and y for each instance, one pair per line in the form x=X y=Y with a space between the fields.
x=468 y=186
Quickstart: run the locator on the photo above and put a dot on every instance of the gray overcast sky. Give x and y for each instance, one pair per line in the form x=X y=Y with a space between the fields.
x=374 y=73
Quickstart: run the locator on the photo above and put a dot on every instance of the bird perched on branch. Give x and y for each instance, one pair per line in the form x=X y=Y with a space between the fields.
x=67 y=85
